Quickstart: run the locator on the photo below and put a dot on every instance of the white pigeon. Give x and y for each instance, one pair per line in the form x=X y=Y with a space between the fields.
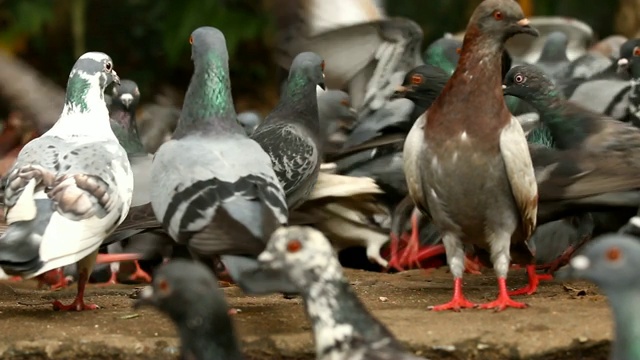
x=71 y=187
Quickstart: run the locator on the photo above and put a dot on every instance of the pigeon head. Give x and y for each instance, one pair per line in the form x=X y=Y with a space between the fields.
x=303 y=253
x=183 y=289
x=500 y=20
x=207 y=43
x=90 y=76
x=555 y=47
x=422 y=81
x=307 y=66
x=626 y=54
x=527 y=82
x=336 y=104
x=126 y=94
x=610 y=262
x=188 y=293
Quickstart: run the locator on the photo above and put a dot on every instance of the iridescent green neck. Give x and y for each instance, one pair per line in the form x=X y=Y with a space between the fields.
x=296 y=86
x=208 y=105
x=626 y=313
x=77 y=93
x=541 y=136
x=435 y=56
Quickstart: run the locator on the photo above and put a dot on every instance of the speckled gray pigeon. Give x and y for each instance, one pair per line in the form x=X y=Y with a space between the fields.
x=215 y=189
x=291 y=134
x=188 y=293
x=611 y=262
x=69 y=188
x=342 y=326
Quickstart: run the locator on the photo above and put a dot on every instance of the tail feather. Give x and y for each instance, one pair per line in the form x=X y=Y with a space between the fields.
x=20 y=244
x=25 y=208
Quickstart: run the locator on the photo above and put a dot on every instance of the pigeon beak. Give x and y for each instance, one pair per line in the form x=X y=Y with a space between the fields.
x=145 y=297
x=126 y=100
x=623 y=64
x=265 y=257
x=525 y=28
x=321 y=83
x=575 y=269
x=114 y=77
x=400 y=92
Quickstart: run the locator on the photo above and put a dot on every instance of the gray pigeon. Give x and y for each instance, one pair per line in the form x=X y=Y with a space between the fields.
x=69 y=188
x=335 y=115
x=342 y=326
x=553 y=58
x=290 y=134
x=215 y=188
x=612 y=262
x=189 y=294
x=125 y=99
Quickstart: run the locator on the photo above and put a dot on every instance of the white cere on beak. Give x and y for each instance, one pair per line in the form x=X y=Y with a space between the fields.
x=580 y=262
x=146 y=293
x=266 y=257
x=319 y=90
x=504 y=87
x=635 y=221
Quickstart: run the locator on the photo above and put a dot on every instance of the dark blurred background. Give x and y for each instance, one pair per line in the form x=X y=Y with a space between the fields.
x=148 y=38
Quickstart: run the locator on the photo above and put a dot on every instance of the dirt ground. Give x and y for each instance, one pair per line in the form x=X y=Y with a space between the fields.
x=565 y=321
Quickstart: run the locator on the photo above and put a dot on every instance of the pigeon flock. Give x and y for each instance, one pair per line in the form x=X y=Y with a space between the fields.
x=479 y=152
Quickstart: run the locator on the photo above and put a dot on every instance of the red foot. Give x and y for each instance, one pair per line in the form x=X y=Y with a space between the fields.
x=140 y=275
x=472 y=265
x=113 y=279
x=232 y=311
x=15 y=278
x=503 y=301
x=54 y=278
x=76 y=305
x=534 y=280
x=458 y=302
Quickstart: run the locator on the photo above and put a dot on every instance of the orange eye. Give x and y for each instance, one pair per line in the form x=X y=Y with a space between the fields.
x=294 y=246
x=416 y=79
x=345 y=102
x=614 y=254
x=322 y=65
x=163 y=286
x=497 y=15
x=191 y=40
x=458 y=51
x=636 y=51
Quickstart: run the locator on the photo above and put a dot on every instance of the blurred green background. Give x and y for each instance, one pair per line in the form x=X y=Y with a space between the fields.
x=148 y=38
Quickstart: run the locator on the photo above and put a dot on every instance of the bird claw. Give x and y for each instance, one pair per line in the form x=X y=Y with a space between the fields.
x=76 y=305
x=456 y=305
x=140 y=275
x=502 y=303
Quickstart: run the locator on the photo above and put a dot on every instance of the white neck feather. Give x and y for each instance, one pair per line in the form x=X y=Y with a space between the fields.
x=92 y=122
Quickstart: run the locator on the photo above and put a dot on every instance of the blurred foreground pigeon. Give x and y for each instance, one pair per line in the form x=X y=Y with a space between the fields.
x=611 y=262
x=215 y=188
x=290 y=134
x=189 y=294
x=342 y=326
x=69 y=188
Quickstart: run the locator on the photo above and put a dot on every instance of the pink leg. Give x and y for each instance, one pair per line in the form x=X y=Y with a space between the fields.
x=139 y=274
x=78 y=304
x=534 y=280
x=503 y=301
x=54 y=278
x=458 y=302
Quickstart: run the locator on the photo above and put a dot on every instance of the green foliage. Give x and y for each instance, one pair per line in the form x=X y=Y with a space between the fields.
x=25 y=17
x=238 y=20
